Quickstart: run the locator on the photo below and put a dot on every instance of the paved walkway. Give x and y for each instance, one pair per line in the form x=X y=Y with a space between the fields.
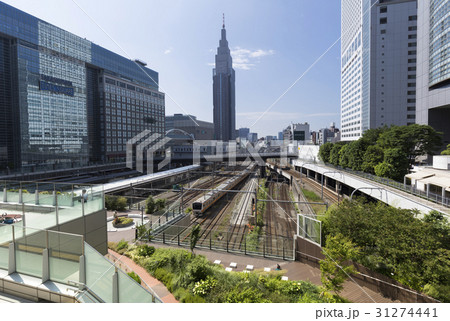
x=293 y=270
x=155 y=285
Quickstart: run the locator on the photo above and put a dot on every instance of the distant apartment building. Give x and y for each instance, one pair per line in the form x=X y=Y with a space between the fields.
x=243 y=132
x=200 y=130
x=280 y=135
x=252 y=137
x=433 y=66
x=328 y=135
x=64 y=99
x=378 y=64
x=297 y=132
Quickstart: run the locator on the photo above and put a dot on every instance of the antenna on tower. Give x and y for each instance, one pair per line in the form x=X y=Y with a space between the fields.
x=223 y=26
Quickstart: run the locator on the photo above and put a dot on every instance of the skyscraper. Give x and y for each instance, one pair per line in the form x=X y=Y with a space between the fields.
x=433 y=66
x=378 y=64
x=224 y=92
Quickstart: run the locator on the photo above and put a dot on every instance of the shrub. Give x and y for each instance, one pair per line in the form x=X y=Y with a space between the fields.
x=122 y=222
x=145 y=250
x=122 y=245
x=135 y=277
x=115 y=203
x=203 y=287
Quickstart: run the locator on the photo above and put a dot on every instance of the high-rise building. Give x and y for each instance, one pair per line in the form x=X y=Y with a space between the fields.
x=433 y=66
x=243 y=132
x=224 y=92
x=64 y=99
x=378 y=64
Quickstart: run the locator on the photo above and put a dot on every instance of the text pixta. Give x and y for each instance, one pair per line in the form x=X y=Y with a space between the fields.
x=337 y=313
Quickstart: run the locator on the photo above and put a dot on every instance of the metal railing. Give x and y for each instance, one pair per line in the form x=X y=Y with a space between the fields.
x=430 y=196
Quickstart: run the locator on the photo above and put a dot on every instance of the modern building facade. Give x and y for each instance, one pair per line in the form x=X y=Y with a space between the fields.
x=224 y=92
x=243 y=132
x=378 y=64
x=65 y=99
x=297 y=132
x=433 y=66
x=200 y=130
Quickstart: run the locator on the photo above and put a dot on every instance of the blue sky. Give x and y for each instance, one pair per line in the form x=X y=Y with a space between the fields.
x=273 y=43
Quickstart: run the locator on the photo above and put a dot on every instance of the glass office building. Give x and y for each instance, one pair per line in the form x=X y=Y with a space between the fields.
x=64 y=99
x=433 y=66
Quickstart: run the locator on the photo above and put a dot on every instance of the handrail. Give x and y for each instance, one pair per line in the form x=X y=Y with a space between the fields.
x=84 y=287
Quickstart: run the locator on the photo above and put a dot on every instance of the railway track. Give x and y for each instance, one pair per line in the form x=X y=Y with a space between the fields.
x=329 y=195
x=238 y=229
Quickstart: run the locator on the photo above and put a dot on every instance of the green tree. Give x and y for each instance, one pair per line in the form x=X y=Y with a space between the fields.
x=414 y=140
x=356 y=152
x=334 y=154
x=447 y=151
x=194 y=237
x=114 y=203
x=160 y=204
x=336 y=268
x=150 y=207
x=324 y=152
x=121 y=203
x=396 y=242
x=344 y=155
x=372 y=157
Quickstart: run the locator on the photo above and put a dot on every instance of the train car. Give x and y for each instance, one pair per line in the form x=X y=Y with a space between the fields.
x=200 y=205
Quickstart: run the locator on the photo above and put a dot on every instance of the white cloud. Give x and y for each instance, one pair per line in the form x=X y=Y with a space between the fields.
x=246 y=59
x=285 y=116
x=167 y=51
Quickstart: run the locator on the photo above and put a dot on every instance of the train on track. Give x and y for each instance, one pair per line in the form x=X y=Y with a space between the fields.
x=200 y=205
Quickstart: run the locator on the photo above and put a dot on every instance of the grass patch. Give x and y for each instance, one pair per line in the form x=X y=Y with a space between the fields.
x=313 y=197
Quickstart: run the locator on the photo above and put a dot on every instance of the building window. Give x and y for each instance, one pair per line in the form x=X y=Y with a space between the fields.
x=383 y=31
x=412 y=60
x=412 y=52
x=411 y=101
x=383 y=9
x=412 y=28
x=412 y=18
x=413 y=36
x=412 y=44
x=411 y=68
x=383 y=21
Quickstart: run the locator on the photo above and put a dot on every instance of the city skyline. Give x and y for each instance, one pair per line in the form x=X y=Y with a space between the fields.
x=272 y=47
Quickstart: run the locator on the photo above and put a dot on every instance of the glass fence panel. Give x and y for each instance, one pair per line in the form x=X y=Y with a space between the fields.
x=93 y=203
x=5 y=239
x=99 y=274
x=29 y=246
x=64 y=256
x=65 y=199
x=47 y=198
x=68 y=213
x=42 y=216
x=28 y=198
x=132 y=292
